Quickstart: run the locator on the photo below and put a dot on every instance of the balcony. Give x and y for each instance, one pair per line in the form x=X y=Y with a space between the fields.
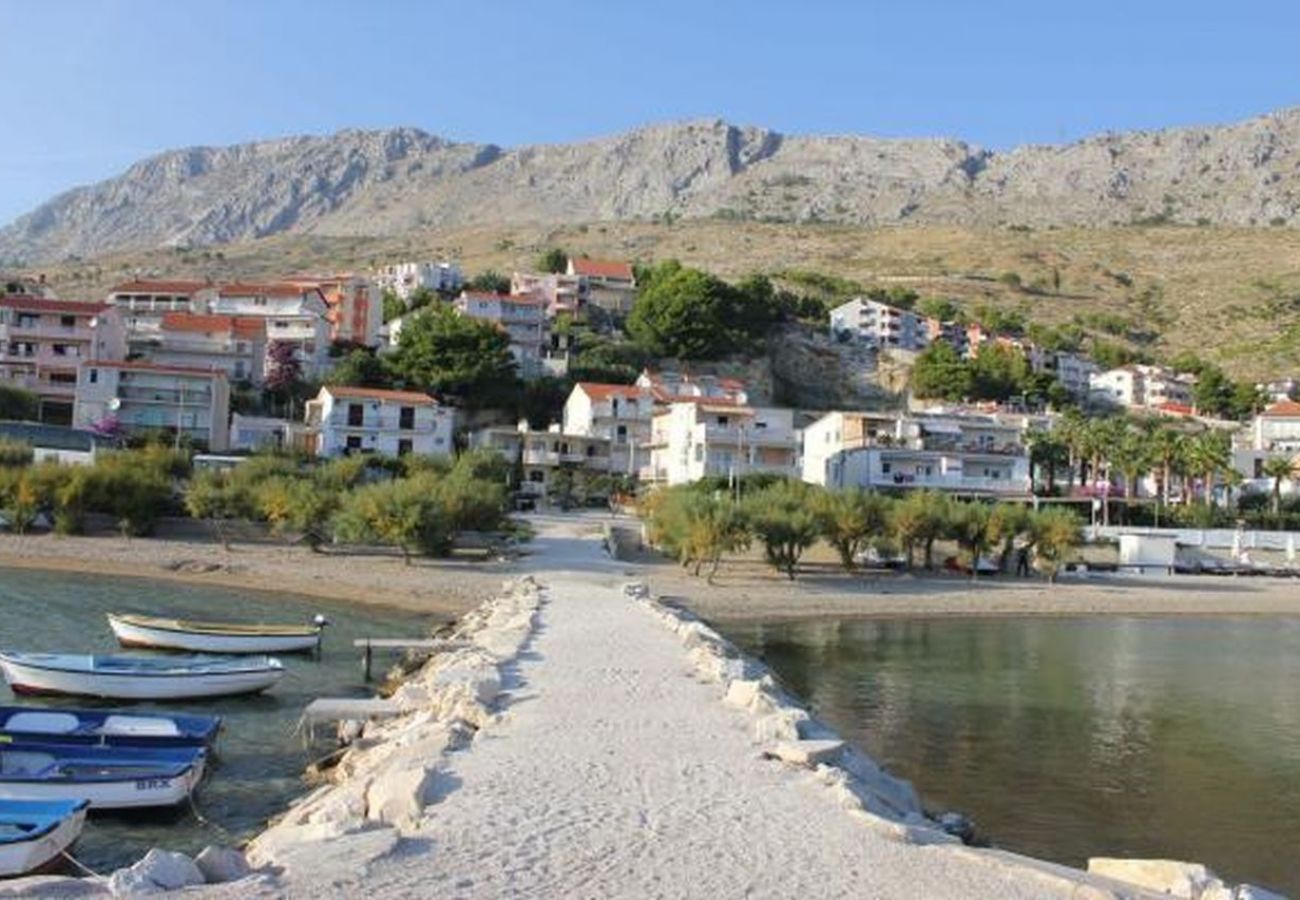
x=170 y=396
x=952 y=482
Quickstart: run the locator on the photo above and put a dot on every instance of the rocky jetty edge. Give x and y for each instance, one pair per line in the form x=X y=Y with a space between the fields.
x=787 y=733
x=375 y=794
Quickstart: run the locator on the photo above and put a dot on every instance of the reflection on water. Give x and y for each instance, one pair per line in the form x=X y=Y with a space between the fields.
x=260 y=759
x=1074 y=738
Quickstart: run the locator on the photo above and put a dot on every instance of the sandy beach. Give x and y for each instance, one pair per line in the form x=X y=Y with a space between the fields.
x=442 y=587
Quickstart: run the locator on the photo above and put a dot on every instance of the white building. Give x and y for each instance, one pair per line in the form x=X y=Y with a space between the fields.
x=143 y=302
x=354 y=307
x=348 y=420
x=42 y=342
x=551 y=460
x=975 y=455
x=619 y=414
x=880 y=325
x=403 y=279
x=672 y=387
x=295 y=314
x=1074 y=373
x=563 y=293
x=1274 y=432
x=522 y=318
x=697 y=438
x=252 y=433
x=234 y=344
x=141 y=397
x=1141 y=386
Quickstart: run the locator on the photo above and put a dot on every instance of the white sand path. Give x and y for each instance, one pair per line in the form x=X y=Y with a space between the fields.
x=614 y=773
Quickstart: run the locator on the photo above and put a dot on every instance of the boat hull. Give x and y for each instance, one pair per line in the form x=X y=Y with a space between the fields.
x=110 y=728
x=41 y=851
x=135 y=634
x=25 y=678
x=105 y=779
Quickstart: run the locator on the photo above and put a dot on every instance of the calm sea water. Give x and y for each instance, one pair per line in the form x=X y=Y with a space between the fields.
x=1067 y=739
x=259 y=762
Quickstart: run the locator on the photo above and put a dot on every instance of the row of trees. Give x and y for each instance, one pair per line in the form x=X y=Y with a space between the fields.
x=699 y=527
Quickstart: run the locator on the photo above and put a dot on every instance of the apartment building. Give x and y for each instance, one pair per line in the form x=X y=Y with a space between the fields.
x=142 y=397
x=564 y=294
x=143 y=302
x=670 y=387
x=1141 y=386
x=346 y=420
x=610 y=285
x=234 y=344
x=522 y=318
x=880 y=325
x=42 y=342
x=619 y=414
x=712 y=437
x=405 y=278
x=1074 y=373
x=1274 y=432
x=295 y=314
x=549 y=461
x=964 y=454
x=353 y=306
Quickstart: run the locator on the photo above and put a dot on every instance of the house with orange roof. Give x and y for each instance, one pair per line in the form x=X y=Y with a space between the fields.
x=523 y=318
x=42 y=341
x=354 y=307
x=294 y=313
x=345 y=420
x=1273 y=432
x=235 y=344
x=697 y=437
x=141 y=397
x=609 y=284
x=617 y=413
x=144 y=301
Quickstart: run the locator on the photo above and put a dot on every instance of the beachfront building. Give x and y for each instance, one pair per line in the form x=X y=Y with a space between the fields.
x=554 y=466
x=978 y=455
x=144 y=301
x=523 y=319
x=234 y=344
x=140 y=397
x=880 y=325
x=1275 y=432
x=42 y=342
x=619 y=414
x=346 y=420
x=405 y=278
x=1141 y=386
x=692 y=439
x=609 y=285
x=354 y=308
x=295 y=314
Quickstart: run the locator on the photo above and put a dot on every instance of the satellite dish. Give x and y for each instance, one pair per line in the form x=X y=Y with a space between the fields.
x=115 y=404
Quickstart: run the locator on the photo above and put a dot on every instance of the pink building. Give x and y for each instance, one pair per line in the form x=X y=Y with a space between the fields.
x=43 y=341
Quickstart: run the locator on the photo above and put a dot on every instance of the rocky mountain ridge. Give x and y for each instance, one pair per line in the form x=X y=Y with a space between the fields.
x=398 y=180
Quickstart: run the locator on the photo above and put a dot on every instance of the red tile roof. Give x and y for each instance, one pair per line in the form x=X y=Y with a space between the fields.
x=598 y=268
x=364 y=393
x=598 y=391
x=134 y=365
x=149 y=286
x=240 y=326
x=1283 y=409
x=263 y=289
x=1176 y=409
x=42 y=305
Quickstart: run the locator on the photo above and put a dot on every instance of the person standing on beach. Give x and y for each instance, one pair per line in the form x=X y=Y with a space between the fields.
x=1022 y=562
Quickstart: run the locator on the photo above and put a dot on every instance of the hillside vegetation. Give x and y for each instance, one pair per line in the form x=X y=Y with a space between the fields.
x=1231 y=295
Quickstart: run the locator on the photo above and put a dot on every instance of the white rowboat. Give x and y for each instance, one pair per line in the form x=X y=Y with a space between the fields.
x=34 y=833
x=128 y=677
x=213 y=637
x=106 y=777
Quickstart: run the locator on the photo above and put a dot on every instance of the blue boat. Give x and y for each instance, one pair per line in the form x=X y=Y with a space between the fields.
x=34 y=833
x=111 y=727
x=107 y=777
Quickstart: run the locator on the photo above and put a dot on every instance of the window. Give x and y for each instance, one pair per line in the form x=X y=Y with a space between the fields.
x=93 y=376
x=28 y=320
x=406 y=418
x=63 y=378
x=68 y=321
x=403 y=447
x=886 y=467
x=723 y=421
x=60 y=349
x=621 y=435
x=353 y=443
x=536 y=476
x=356 y=415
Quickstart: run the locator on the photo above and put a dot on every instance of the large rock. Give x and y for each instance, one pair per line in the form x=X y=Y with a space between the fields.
x=1189 y=881
x=221 y=864
x=309 y=851
x=398 y=796
x=160 y=870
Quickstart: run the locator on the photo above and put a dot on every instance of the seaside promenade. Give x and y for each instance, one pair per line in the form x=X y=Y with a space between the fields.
x=613 y=772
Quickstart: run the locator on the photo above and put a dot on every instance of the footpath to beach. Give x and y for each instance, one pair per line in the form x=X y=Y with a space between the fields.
x=612 y=769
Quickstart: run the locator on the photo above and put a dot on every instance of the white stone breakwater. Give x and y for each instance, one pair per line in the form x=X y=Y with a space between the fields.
x=583 y=739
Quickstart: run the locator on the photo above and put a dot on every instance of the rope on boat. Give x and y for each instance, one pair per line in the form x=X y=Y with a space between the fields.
x=79 y=864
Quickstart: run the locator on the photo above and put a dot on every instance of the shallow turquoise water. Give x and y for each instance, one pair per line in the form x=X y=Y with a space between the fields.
x=260 y=760
x=1070 y=738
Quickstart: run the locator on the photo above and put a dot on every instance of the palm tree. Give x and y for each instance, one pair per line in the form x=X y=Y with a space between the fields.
x=1166 y=446
x=1208 y=454
x=1132 y=455
x=1072 y=428
x=1278 y=468
x=1048 y=451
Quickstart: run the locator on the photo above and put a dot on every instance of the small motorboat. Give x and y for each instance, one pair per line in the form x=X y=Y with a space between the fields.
x=33 y=833
x=105 y=726
x=105 y=777
x=128 y=677
x=214 y=637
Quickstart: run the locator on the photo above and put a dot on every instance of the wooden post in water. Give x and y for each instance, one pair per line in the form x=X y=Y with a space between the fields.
x=365 y=660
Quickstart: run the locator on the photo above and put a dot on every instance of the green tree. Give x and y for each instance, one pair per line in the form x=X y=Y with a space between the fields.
x=489 y=282
x=18 y=404
x=940 y=373
x=444 y=352
x=1134 y=456
x=781 y=517
x=553 y=260
x=940 y=308
x=1056 y=533
x=1048 y=452
x=15 y=454
x=687 y=314
x=849 y=520
x=1208 y=454
x=1007 y=522
x=969 y=524
x=360 y=368
x=394 y=305
x=401 y=513
x=919 y=519
x=1278 y=468
x=713 y=526
x=297 y=505
x=997 y=373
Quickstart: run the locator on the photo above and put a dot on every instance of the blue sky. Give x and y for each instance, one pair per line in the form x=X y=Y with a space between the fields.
x=89 y=86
